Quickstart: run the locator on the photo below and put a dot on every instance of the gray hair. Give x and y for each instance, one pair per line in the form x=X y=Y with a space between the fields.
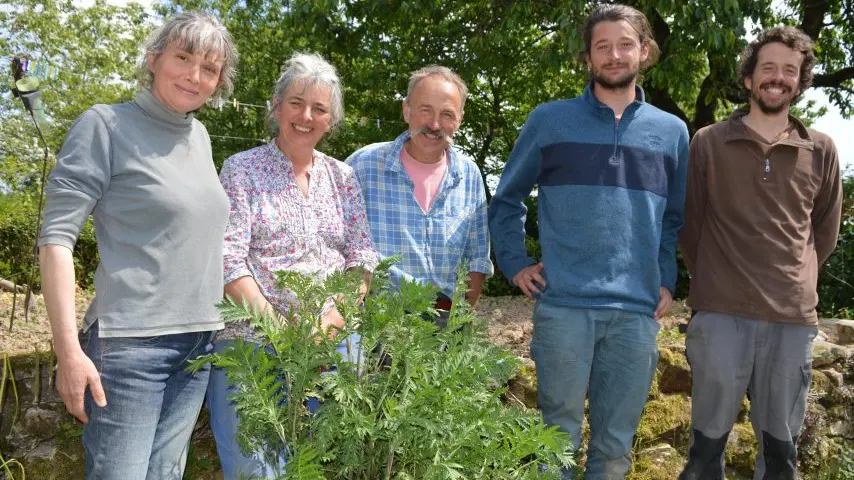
x=194 y=32
x=438 y=71
x=313 y=70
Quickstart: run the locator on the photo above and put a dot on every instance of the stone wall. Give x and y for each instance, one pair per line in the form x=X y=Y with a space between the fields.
x=38 y=431
x=661 y=443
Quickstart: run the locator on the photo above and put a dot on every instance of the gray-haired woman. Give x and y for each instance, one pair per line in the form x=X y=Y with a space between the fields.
x=144 y=170
x=292 y=209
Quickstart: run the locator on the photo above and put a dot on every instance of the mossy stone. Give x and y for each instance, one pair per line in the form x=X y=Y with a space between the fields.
x=666 y=413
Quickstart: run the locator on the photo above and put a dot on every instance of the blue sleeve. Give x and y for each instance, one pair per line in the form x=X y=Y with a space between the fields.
x=507 y=211
x=674 y=214
x=477 y=244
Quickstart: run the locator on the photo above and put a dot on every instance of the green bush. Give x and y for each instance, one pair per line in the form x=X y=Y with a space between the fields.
x=432 y=410
x=17 y=237
x=836 y=280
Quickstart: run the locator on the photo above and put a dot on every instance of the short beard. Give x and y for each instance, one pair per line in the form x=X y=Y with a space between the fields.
x=771 y=109
x=620 y=83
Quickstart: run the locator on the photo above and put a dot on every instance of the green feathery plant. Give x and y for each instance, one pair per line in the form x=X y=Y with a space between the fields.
x=434 y=412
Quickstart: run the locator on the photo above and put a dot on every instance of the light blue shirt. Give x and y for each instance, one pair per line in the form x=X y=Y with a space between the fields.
x=432 y=244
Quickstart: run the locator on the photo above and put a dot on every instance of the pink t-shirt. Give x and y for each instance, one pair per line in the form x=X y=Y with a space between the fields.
x=427 y=177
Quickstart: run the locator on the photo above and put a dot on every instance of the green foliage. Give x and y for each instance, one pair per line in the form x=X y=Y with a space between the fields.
x=434 y=412
x=94 y=48
x=836 y=279
x=842 y=466
x=7 y=465
x=17 y=238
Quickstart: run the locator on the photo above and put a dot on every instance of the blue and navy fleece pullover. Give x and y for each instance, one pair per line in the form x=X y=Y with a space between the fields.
x=610 y=202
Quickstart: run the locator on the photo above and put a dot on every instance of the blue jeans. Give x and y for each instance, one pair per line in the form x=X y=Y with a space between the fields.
x=612 y=353
x=224 y=422
x=152 y=405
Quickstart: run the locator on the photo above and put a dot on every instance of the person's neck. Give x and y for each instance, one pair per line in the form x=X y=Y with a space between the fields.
x=422 y=157
x=616 y=98
x=301 y=159
x=769 y=126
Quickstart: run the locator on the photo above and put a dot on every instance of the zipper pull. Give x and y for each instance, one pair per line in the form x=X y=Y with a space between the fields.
x=767 y=169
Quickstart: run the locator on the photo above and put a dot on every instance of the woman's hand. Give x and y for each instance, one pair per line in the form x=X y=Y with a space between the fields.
x=331 y=322
x=74 y=373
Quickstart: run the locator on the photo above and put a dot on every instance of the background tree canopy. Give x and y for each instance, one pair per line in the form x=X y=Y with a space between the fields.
x=514 y=56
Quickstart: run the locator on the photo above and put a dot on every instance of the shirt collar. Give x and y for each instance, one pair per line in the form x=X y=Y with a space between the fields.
x=274 y=152
x=737 y=130
x=153 y=107
x=602 y=109
x=393 y=163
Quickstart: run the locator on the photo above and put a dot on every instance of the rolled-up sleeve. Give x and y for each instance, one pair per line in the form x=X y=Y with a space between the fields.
x=477 y=244
x=79 y=181
x=359 y=249
x=238 y=232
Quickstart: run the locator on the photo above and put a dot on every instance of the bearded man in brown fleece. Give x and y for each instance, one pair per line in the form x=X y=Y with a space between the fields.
x=762 y=214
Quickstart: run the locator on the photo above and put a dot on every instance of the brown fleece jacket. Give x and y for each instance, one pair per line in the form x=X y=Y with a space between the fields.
x=760 y=218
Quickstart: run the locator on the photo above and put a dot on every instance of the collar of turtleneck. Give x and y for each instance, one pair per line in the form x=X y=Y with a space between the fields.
x=152 y=106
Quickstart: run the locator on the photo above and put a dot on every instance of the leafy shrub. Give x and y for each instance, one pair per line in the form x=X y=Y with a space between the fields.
x=17 y=237
x=836 y=279
x=432 y=411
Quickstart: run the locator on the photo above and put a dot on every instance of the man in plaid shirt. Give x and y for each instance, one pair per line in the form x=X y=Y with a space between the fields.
x=425 y=199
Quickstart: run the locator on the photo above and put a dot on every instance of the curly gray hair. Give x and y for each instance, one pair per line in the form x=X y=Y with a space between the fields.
x=194 y=32
x=312 y=69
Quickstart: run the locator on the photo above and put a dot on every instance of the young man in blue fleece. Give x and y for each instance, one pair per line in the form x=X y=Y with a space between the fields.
x=611 y=172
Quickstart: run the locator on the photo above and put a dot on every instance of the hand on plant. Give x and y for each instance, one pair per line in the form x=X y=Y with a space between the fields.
x=530 y=280
x=331 y=321
x=73 y=375
x=664 y=302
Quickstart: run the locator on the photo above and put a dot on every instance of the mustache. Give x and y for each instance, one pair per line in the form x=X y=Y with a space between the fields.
x=438 y=132
x=786 y=88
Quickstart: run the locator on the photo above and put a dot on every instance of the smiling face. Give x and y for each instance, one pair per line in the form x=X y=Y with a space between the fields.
x=774 y=82
x=184 y=81
x=304 y=114
x=615 y=55
x=433 y=111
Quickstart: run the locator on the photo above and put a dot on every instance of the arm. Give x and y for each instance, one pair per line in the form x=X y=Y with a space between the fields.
x=695 y=204
x=476 y=280
x=359 y=249
x=246 y=290
x=476 y=251
x=81 y=177
x=240 y=285
x=507 y=210
x=75 y=371
x=672 y=219
x=827 y=207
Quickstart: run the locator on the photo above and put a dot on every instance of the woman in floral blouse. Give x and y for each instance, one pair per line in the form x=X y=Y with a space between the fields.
x=292 y=208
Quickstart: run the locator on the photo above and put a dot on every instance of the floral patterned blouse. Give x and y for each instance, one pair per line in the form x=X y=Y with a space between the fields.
x=273 y=227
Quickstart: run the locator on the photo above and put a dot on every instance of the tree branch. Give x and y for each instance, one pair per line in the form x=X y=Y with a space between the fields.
x=663 y=100
x=833 y=79
x=813 y=20
x=659 y=97
x=704 y=114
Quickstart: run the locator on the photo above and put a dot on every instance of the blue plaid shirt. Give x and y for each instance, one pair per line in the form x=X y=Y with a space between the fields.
x=434 y=243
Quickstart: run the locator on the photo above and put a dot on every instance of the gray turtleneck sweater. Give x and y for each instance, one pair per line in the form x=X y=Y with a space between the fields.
x=146 y=175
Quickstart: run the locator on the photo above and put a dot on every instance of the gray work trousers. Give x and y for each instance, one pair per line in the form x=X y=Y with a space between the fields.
x=729 y=355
